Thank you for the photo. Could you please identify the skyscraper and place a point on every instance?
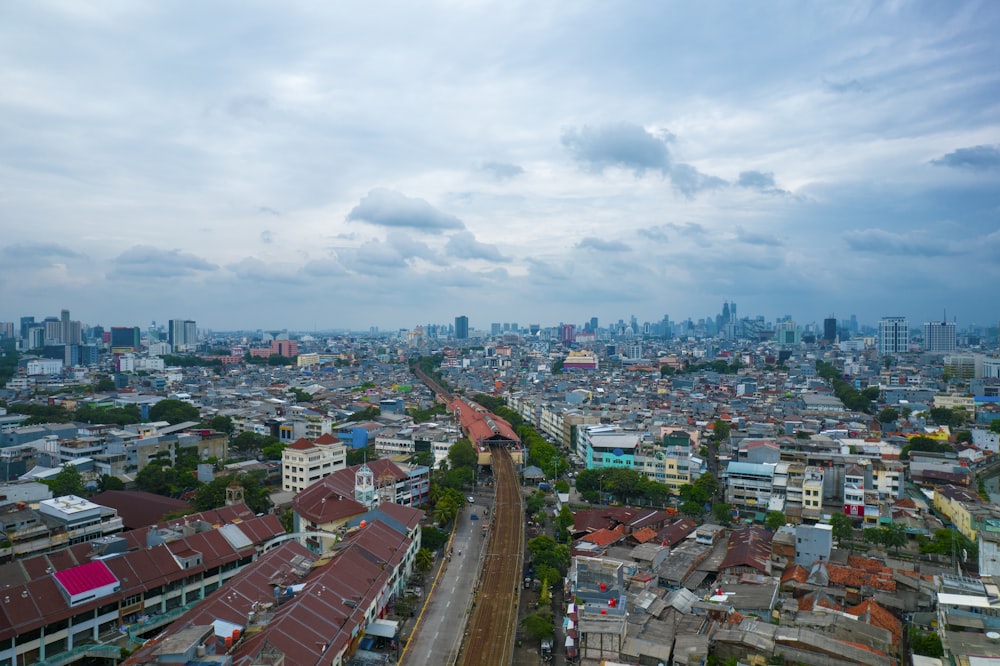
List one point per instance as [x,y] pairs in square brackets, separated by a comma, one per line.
[182,334]
[893,335]
[830,329]
[939,337]
[461,327]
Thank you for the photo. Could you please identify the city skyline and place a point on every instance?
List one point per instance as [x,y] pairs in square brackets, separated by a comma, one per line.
[311,168]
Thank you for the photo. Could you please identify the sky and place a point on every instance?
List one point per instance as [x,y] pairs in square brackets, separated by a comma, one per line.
[316,166]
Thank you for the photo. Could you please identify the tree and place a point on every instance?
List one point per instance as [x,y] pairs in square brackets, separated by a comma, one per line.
[423,561]
[358,456]
[562,486]
[104,384]
[887,415]
[774,520]
[928,644]
[721,430]
[222,423]
[539,626]
[564,521]
[723,512]
[964,436]
[843,529]
[893,536]
[173,411]
[995,425]
[462,454]
[108,482]
[67,482]
[273,448]
[248,443]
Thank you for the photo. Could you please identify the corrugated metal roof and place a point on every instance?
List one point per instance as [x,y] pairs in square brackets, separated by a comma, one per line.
[85,578]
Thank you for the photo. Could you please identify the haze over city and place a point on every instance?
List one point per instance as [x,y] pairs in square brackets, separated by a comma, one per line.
[292,165]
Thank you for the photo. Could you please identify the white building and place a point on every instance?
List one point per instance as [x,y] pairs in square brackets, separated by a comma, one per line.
[305,462]
[893,335]
[939,337]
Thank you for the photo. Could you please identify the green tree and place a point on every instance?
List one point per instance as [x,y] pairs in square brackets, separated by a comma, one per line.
[887,415]
[893,536]
[539,626]
[563,523]
[212,495]
[721,430]
[423,561]
[843,529]
[222,423]
[534,503]
[67,481]
[104,384]
[964,436]
[248,443]
[366,414]
[928,645]
[300,395]
[723,512]
[358,456]
[108,482]
[925,444]
[273,448]
[462,454]
[774,520]
[174,412]
[432,538]
[995,425]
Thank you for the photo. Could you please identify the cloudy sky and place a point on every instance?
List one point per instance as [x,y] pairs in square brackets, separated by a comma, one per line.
[303,165]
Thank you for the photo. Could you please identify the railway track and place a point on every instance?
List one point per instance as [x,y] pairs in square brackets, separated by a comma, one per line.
[489,638]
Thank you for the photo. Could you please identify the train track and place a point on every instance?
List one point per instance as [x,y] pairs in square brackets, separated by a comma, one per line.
[489,638]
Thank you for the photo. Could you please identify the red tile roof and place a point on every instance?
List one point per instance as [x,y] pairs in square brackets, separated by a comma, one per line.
[644,535]
[869,611]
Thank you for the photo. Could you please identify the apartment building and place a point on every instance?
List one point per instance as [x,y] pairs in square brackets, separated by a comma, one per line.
[748,488]
[306,461]
[671,466]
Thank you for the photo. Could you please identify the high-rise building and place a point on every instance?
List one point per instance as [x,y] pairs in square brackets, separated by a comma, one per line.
[567,333]
[939,337]
[461,327]
[26,323]
[182,334]
[830,329]
[125,336]
[893,335]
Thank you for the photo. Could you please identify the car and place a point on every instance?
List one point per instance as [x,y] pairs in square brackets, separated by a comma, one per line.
[470,499]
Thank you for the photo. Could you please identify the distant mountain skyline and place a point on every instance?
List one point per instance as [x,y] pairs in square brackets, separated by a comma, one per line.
[310,166]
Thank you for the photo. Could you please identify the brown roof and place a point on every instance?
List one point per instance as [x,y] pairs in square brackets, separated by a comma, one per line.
[138,508]
[643,535]
[749,547]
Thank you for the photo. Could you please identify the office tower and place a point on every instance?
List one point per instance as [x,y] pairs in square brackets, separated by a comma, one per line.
[567,333]
[125,337]
[182,334]
[496,328]
[939,337]
[830,329]
[893,335]
[26,323]
[461,327]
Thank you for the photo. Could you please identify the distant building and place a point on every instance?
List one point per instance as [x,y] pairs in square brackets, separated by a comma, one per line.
[182,334]
[125,337]
[830,329]
[893,335]
[461,327]
[939,337]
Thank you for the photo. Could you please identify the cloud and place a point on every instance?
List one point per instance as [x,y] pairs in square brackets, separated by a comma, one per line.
[758,180]
[252,269]
[599,245]
[880,241]
[147,261]
[267,210]
[848,86]
[754,238]
[975,158]
[463,245]
[501,170]
[37,253]
[387,208]
[689,181]
[266,237]
[328,267]
[654,233]
[622,145]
